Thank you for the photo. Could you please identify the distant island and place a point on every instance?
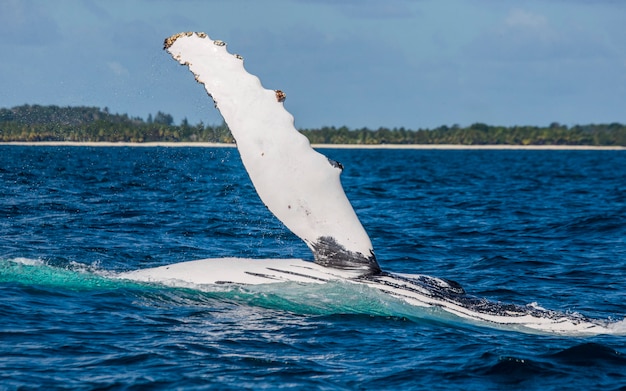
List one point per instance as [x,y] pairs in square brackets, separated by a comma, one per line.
[33,123]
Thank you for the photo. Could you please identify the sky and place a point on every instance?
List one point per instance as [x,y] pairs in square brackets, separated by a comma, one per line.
[359,63]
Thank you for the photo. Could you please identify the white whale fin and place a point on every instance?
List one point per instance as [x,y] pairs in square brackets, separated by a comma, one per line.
[300,186]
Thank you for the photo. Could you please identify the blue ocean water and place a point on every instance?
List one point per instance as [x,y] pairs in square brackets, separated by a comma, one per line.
[516,226]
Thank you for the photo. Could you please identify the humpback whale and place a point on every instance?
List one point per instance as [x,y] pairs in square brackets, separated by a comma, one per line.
[302,188]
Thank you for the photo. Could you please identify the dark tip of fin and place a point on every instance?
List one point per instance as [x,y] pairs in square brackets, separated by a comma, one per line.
[335,164]
[329,253]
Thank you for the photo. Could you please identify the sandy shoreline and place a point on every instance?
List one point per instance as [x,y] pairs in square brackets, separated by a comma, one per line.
[324,146]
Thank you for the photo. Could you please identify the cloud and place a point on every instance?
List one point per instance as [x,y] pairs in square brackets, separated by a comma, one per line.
[369,9]
[24,23]
[519,18]
[98,11]
[117,68]
[524,36]
[334,76]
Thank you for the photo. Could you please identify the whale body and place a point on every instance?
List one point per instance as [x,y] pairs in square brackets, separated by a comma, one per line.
[414,289]
[302,188]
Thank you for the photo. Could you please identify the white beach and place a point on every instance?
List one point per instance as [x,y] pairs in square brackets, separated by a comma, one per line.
[324,146]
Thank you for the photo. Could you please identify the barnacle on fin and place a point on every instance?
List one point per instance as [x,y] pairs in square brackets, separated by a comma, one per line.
[280,96]
[169,41]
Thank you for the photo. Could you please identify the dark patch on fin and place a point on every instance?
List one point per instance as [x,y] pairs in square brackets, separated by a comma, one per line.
[329,253]
[262,275]
[335,164]
[454,286]
[297,274]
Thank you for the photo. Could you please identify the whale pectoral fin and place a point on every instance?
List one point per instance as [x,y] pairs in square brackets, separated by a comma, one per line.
[300,186]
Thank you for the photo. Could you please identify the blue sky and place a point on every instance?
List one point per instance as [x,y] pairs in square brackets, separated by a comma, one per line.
[392,63]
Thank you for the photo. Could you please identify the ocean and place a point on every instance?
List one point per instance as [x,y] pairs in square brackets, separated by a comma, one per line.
[516,226]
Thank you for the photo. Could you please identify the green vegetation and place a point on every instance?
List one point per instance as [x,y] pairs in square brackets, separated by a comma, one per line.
[54,123]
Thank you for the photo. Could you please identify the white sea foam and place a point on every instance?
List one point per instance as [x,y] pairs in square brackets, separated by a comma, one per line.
[27,261]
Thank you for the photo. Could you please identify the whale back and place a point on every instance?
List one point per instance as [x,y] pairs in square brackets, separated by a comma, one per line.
[299,185]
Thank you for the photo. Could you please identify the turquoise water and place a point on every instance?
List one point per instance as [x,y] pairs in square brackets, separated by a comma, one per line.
[516,226]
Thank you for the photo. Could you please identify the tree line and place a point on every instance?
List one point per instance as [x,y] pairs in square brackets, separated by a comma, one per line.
[92,124]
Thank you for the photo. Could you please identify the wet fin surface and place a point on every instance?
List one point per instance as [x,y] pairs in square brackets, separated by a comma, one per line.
[300,186]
